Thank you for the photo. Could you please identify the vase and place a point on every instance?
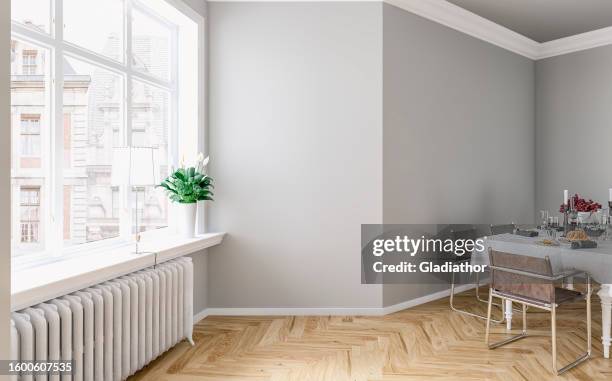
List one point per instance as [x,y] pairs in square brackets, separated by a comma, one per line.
[187,219]
[584,217]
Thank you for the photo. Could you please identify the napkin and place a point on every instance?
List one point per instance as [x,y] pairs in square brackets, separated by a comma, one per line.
[586,244]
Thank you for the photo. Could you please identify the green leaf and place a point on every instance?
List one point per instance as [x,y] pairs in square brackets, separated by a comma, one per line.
[188,186]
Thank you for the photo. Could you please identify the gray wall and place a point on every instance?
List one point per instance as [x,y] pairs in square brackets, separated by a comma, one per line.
[295,140]
[458,131]
[197,5]
[5,181]
[574,126]
[200,281]
[200,259]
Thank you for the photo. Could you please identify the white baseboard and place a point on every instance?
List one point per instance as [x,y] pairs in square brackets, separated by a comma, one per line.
[425,299]
[200,316]
[326,311]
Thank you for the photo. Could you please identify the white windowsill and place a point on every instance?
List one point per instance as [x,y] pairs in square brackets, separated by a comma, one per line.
[37,284]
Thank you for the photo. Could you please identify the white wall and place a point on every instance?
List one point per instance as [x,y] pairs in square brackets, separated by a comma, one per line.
[297,93]
[574,127]
[295,142]
[5,181]
[458,131]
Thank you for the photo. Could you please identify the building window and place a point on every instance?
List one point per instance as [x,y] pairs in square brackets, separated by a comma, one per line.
[30,214]
[128,80]
[28,64]
[30,135]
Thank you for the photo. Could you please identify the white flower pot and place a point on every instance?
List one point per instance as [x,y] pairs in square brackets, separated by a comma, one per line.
[187,219]
[585,217]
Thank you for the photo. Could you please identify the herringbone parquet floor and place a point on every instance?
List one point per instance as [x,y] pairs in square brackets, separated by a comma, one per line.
[428,342]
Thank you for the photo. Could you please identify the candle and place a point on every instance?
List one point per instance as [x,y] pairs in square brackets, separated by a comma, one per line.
[610,192]
[566,196]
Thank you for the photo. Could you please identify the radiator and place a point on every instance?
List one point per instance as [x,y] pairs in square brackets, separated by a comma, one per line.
[110,330]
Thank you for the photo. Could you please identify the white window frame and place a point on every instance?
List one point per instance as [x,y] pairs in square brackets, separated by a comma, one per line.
[57,47]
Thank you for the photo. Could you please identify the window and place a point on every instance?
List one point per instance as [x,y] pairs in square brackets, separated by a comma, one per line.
[28,62]
[124,78]
[29,214]
[33,14]
[107,38]
[30,136]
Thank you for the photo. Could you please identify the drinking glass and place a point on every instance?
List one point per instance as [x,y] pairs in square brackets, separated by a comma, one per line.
[544,218]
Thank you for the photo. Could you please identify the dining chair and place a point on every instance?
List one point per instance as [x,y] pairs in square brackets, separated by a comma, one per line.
[530,281]
[502,229]
[467,234]
[494,230]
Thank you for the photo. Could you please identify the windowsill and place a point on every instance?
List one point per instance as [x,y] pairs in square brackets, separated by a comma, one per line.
[38,284]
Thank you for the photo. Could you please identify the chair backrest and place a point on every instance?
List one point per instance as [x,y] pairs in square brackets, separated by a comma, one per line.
[505,279]
[464,234]
[501,229]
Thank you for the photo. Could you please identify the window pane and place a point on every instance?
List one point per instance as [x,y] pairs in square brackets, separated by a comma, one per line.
[95,25]
[93,103]
[30,127]
[32,13]
[151,39]
[150,119]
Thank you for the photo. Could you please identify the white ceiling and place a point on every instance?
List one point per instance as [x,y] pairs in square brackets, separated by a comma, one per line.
[543,20]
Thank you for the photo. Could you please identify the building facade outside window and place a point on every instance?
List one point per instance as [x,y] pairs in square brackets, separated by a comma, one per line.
[120,86]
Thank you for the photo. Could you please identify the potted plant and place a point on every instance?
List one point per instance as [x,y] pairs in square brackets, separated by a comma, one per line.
[186,186]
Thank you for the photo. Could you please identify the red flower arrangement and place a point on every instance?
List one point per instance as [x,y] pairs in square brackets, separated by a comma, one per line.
[582,205]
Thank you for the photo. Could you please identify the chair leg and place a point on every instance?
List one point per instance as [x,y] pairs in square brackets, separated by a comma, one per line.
[524,319]
[553,337]
[452,305]
[478,292]
[588,312]
[582,357]
[488,329]
[509,340]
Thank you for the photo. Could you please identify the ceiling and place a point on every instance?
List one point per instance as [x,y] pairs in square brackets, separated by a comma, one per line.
[543,20]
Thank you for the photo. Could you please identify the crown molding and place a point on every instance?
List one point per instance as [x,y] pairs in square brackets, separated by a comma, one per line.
[462,20]
[583,41]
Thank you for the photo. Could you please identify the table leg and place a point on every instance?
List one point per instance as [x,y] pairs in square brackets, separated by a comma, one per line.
[606,317]
[508,315]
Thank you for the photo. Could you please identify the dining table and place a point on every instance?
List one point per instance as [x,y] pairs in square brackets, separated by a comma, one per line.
[595,261]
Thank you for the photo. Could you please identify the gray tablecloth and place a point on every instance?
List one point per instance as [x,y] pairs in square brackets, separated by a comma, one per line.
[596,261]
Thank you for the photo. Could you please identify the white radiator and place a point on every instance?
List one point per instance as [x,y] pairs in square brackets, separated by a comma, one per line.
[110,330]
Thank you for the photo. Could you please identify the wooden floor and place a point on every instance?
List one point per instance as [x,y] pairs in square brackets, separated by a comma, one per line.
[427,342]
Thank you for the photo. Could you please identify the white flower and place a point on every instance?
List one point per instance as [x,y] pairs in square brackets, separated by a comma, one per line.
[200,157]
[205,161]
